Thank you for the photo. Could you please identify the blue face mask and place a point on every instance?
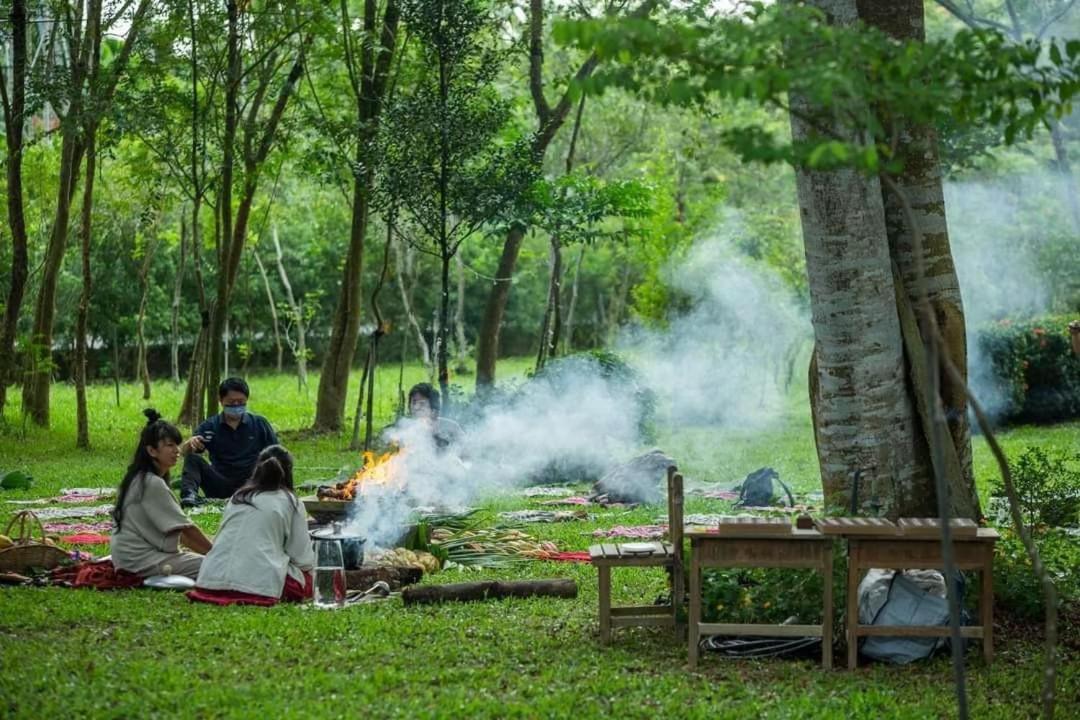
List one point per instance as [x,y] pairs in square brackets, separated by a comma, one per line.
[235,411]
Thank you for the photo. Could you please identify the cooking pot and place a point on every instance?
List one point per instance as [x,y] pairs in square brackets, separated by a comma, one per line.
[352,545]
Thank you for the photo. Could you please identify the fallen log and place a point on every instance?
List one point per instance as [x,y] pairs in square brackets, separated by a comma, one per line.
[489,590]
[395,577]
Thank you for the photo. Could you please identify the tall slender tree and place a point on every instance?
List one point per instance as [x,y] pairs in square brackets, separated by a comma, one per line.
[85,93]
[368,58]
[14,107]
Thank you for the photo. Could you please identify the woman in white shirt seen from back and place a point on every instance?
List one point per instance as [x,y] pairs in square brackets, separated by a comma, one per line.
[262,552]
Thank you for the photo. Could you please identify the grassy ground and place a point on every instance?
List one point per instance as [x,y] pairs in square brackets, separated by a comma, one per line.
[141,653]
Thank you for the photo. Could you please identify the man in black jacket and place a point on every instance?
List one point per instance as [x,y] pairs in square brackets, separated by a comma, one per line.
[234,438]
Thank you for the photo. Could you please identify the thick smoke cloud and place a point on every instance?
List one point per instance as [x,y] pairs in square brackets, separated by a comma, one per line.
[725,360]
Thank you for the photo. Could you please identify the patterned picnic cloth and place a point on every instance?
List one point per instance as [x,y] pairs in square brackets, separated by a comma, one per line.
[79,495]
[78,511]
[567,501]
[542,516]
[644,532]
[73,528]
[547,491]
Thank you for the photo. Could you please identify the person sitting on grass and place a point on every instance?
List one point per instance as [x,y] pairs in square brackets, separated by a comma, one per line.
[262,552]
[149,524]
[234,438]
[424,406]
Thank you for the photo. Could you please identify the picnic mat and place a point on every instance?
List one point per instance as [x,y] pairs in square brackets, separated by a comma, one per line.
[78,495]
[86,539]
[576,500]
[76,511]
[71,528]
[644,532]
[542,516]
[547,491]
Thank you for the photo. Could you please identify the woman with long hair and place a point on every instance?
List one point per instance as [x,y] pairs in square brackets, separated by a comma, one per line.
[150,526]
[262,552]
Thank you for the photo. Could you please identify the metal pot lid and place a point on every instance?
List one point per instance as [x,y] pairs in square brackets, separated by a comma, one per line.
[335,531]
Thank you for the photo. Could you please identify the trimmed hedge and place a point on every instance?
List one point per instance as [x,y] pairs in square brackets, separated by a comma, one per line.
[1034,362]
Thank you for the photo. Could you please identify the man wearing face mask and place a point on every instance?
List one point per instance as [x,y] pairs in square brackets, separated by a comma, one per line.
[233,438]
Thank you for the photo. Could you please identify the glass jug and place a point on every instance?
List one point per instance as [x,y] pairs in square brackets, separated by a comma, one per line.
[329,581]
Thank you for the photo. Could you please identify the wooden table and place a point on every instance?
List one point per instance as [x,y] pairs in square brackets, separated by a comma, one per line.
[901,553]
[793,549]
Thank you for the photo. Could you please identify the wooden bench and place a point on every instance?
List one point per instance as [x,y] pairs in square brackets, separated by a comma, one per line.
[667,555]
[756,548]
[911,548]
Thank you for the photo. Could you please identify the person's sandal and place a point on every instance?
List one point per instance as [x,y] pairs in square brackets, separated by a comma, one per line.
[191,500]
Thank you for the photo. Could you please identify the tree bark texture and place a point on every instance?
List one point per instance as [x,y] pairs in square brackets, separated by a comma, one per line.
[920,184]
[865,373]
[14,125]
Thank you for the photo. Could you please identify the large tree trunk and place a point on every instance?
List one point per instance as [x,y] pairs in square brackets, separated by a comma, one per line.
[920,185]
[863,416]
[14,125]
[82,424]
[487,341]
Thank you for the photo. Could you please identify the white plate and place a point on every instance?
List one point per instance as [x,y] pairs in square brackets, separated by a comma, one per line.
[637,548]
[169,582]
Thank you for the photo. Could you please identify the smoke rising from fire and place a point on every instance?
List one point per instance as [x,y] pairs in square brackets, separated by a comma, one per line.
[724,360]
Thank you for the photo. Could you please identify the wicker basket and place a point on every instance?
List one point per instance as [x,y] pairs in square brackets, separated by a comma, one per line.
[27,552]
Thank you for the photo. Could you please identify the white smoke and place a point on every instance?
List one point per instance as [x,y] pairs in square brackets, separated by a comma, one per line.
[730,358]
[724,361]
[996,230]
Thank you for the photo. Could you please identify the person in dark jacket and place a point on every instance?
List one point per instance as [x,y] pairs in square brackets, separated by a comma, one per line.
[233,438]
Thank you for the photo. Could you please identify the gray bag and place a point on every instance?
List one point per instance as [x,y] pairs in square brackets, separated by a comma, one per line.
[906,604]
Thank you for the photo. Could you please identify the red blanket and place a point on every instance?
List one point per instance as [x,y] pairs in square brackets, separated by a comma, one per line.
[293,592]
[85,539]
[101,575]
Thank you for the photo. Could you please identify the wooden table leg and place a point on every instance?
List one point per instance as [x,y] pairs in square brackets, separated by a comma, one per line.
[986,604]
[852,605]
[605,603]
[694,621]
[827,611]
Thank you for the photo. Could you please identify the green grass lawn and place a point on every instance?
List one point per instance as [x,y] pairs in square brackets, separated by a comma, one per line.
[67,653]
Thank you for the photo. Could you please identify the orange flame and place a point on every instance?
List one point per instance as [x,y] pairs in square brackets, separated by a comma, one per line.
[382,470]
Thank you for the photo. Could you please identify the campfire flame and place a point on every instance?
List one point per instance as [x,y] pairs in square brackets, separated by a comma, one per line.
[377,471]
